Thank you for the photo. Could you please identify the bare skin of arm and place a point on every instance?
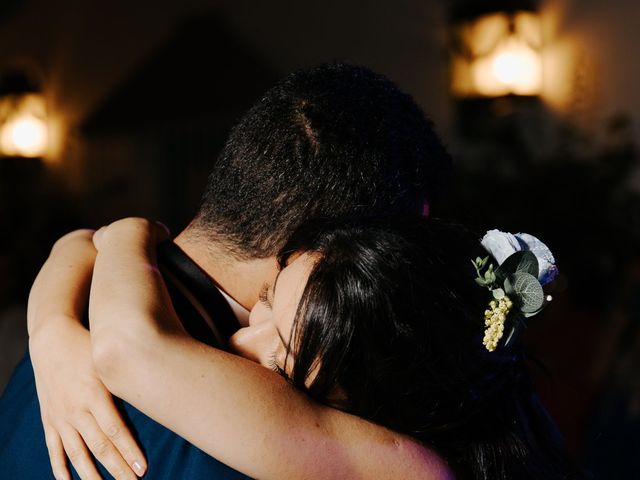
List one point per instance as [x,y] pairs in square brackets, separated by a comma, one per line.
[237,411]
[81,417]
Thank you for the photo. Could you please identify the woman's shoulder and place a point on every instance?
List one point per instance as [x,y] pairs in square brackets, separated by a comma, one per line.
[421,462]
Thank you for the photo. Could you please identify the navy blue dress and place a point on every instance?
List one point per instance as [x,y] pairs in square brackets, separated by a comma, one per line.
[23,452]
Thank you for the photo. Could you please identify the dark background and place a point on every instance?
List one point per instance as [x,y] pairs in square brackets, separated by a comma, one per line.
[141,95]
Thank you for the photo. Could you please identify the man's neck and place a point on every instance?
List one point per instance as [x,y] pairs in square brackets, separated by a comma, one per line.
[240,279]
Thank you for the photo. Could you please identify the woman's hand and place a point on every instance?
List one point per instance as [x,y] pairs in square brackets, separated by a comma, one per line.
[78,412]
[132,232]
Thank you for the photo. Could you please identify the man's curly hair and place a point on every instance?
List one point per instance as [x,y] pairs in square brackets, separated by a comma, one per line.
[330,141]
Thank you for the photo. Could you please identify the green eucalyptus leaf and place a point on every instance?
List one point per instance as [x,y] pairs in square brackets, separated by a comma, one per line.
[481,282]
[511,335]
[508,289]
[535,312]
[515,331]
[475,266]
[527,291]
[498,293]
[484,261]
[518,262]
[489,278]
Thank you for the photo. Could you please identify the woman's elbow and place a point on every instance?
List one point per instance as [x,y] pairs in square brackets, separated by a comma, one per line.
[121,354]
[109,353]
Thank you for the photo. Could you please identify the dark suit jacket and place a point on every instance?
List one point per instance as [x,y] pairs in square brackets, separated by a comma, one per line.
[23,453]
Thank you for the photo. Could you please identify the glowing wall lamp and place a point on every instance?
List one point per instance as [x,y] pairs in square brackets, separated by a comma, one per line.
[23,118]
[497,54]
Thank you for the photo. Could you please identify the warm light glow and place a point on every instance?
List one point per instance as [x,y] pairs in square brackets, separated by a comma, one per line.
[25,136]
[515,68]
[570,67]
[498,55]
[23,129]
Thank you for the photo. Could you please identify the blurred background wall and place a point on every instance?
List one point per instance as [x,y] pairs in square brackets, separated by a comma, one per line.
[141,94]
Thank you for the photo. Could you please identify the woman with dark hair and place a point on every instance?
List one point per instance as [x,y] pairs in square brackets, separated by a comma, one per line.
[380,319]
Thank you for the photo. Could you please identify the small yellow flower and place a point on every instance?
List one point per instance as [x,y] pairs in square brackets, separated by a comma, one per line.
[494,321]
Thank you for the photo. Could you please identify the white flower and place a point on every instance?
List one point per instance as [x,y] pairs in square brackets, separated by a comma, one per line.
[546,262]
[500,244]
[503,244]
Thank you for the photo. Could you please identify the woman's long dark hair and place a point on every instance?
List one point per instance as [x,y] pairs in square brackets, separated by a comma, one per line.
[391,316]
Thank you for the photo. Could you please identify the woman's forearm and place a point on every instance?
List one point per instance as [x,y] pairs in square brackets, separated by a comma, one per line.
[127,285]
[54,301]
[250,418]
[69,391]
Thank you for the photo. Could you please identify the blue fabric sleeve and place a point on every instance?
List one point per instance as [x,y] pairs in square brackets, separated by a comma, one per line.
[23,452]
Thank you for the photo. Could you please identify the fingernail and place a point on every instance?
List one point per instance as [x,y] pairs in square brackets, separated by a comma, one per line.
[138,469]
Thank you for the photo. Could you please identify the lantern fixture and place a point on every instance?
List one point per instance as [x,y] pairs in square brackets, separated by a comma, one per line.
[497,53]
[23,118]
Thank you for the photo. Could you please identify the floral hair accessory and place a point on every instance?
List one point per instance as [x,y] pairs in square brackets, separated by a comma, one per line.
[525,264]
